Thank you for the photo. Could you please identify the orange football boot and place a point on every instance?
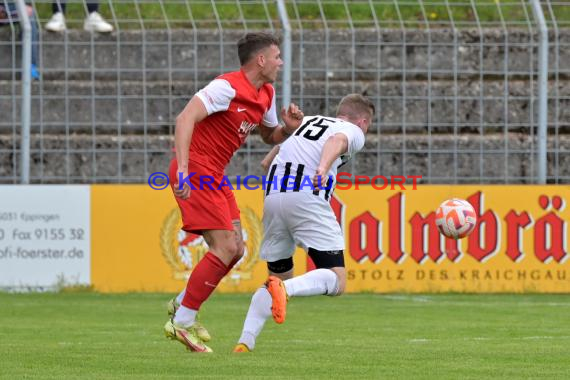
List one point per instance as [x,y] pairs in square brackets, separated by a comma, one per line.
[276,289]
[241,348]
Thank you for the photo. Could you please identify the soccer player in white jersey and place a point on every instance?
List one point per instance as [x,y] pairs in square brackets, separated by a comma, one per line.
[297,212]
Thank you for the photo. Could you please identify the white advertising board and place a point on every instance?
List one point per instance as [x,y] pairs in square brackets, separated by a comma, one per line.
[44,236]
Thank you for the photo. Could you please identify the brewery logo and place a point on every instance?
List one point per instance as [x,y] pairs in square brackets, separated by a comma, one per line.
[183,250]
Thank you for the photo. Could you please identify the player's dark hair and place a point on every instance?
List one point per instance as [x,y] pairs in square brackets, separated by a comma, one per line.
[356,106]
[252,43]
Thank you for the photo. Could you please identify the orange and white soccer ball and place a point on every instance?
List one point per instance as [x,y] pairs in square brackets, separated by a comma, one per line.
[455,218]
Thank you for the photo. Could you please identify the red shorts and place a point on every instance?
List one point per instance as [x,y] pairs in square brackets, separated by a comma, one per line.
[205,209]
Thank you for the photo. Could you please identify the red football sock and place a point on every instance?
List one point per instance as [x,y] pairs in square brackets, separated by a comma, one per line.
[203,280]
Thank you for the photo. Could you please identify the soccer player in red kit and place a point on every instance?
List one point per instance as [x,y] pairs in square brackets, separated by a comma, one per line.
[212,126]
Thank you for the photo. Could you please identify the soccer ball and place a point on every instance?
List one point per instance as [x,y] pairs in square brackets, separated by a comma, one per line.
[455,218]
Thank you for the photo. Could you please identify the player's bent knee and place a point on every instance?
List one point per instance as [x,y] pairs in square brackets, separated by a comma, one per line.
[234,248]
[227,247]
[333,260]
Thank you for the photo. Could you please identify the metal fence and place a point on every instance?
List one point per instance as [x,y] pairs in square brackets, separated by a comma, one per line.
[456,85]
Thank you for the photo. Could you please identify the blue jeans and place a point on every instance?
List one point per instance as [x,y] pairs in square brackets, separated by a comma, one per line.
[13,17]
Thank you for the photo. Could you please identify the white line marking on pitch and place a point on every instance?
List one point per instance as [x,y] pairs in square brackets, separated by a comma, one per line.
[481,338]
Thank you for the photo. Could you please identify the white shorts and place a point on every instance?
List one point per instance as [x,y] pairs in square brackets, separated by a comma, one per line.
[298,218]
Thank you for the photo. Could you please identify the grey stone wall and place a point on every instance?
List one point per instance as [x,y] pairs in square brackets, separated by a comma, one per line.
[74,159]
[104,109]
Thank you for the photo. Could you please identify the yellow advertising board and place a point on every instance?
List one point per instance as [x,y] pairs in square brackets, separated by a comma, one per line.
[392,244]
[137,244]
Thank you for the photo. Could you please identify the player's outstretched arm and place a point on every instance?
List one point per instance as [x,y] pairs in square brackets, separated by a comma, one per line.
[268,159]
[292,117]
[336,145]
[194,112]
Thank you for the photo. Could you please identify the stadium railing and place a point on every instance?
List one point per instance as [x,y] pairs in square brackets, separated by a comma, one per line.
[456,85]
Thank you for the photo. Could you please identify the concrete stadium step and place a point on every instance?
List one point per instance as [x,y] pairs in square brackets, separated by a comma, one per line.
[151,107]
[109,158]
[317,54]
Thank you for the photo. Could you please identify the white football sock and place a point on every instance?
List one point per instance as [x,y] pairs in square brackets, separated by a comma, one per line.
[180,297]
[315,282]
[185,317]
[259,311]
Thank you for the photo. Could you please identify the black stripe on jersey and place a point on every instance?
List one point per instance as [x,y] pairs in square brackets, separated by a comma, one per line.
[270,182]
[299,177]
[329,188]
[343,160]
[285,178]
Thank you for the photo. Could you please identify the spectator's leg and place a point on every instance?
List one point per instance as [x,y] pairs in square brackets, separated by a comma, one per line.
[92,7]
[58,6]
[14,17]
[57,21]
[35,43]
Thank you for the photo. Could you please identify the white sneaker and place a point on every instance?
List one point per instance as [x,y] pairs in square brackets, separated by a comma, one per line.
[95,23]
[56,23]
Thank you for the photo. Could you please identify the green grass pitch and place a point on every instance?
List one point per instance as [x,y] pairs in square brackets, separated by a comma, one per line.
[99,336]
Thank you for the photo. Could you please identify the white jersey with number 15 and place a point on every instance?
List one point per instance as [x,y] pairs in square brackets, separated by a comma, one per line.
[300,154]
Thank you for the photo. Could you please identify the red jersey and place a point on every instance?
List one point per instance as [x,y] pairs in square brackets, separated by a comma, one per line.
[235,107]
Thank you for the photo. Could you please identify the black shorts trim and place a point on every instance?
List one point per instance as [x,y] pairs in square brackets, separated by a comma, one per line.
[327,259]
[280,266]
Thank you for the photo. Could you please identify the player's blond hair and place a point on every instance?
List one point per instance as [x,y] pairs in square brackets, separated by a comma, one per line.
[356,106]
